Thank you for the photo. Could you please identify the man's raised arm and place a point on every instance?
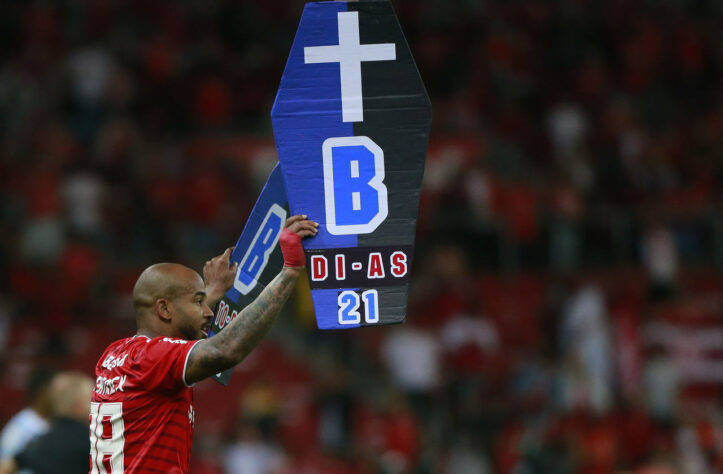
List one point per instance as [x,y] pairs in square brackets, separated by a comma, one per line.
[230,346]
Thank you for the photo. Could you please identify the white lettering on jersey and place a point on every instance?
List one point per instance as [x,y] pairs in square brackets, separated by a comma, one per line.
[191,415]
[111,362]
[174,341]
[106,386]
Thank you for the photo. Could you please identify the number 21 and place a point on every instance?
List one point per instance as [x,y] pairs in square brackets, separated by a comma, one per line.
[349,303]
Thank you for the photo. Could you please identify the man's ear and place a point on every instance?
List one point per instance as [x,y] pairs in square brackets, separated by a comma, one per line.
[163,309]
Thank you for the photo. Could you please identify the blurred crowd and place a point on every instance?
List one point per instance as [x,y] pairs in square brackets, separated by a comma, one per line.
[566,305]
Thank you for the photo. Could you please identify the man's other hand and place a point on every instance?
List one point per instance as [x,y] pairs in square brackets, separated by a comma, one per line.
[296,228]
[218,274]
[301,226]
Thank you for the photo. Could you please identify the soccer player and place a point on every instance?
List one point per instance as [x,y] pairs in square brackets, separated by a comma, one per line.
[141,414]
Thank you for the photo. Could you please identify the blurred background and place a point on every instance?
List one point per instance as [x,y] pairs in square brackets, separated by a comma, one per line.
[566,306]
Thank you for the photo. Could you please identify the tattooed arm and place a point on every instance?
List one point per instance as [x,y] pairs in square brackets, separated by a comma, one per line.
[230,346]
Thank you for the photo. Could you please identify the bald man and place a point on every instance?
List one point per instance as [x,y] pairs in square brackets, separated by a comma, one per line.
[141,414]
[64,448]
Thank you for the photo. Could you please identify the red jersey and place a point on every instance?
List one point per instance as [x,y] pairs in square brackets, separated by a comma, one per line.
[141,413]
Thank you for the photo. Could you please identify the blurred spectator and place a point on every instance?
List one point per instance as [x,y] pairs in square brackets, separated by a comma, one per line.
[586,348]
[465,458]
[470,341]
[64,448]
[83,196]
[412,356]
[250,453]
[335,404]
[660,258]
[89,69]
[693,459]
[662,385]
[43,240]
[260,406]
[401,435]
[33,420]
[568,128]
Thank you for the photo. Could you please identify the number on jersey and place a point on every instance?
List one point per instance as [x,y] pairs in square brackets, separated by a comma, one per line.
[106,438]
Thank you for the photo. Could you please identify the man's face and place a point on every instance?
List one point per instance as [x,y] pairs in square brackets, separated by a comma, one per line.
[191,314]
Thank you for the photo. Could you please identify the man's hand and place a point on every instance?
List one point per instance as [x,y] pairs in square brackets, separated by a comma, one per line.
[296,228]
[301,226]
[218,275]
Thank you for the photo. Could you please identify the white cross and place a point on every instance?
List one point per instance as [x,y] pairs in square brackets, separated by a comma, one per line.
[349,54]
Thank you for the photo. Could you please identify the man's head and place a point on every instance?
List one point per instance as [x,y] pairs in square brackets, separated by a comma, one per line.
[170,300]
[70,394]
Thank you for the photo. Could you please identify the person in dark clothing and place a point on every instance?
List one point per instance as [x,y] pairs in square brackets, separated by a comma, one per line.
[34,419]
[64,448]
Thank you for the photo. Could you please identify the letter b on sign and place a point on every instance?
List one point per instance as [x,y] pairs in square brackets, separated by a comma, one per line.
[257,255]
[354,193]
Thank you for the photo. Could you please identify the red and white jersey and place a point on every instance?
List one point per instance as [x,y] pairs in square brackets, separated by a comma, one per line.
[141,413]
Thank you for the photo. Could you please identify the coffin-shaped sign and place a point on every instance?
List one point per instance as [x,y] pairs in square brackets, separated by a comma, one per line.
[351,123]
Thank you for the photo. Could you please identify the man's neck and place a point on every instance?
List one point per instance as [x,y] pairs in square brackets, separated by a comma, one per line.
[145,332]
[150,333]
[41,411]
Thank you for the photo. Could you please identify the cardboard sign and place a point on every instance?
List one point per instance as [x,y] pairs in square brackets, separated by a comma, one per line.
[351,123]
[258,254]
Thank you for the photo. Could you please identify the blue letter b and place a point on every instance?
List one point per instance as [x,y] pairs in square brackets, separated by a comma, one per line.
[354,192]
[257,256]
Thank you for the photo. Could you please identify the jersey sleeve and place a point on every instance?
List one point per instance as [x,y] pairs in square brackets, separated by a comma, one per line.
[162,363]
